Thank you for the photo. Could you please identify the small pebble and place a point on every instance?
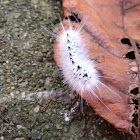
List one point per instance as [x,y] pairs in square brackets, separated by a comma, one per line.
[8,80]
[55,134]
[65,129]
[47,127]
[36,109]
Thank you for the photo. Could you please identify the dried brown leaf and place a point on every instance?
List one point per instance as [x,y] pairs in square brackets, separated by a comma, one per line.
[111,29]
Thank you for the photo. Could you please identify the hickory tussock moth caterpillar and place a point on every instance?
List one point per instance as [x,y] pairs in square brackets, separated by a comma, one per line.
[78,70]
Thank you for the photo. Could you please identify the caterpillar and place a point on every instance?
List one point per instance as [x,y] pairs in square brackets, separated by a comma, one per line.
[79,71]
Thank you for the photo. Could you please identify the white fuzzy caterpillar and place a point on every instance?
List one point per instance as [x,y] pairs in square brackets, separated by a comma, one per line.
[78,69]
